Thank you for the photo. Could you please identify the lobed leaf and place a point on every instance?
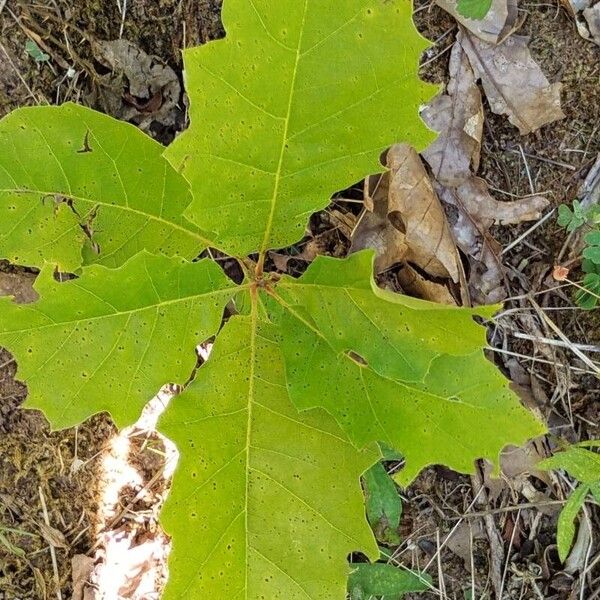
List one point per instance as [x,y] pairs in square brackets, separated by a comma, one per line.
[70,167]
[266,502]
[109,340]
[297,102]
[394,369]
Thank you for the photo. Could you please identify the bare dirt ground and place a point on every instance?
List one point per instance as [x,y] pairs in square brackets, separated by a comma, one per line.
[503,531]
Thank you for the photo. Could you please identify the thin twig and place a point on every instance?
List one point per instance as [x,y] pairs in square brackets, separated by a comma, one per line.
[52,550]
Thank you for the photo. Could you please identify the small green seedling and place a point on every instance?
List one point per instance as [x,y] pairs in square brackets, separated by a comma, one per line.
[383,579]
[36,52]
[584,466]
[306,375]
[588,295]
[473,9]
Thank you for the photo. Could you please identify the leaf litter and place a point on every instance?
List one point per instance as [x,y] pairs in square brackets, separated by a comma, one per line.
[474,168]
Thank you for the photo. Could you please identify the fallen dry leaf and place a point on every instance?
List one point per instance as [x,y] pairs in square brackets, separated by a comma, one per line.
[476,211]
[462,539]
[414,284]
[413,207]
[53,536]
[474,197]
[409,224]
[141,88]
[374,229]
[574,6]
[457,116]
[82,567]
[592,16]
[494,27]
[513,82]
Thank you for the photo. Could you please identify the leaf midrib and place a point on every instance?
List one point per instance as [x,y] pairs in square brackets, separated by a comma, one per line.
[269,225]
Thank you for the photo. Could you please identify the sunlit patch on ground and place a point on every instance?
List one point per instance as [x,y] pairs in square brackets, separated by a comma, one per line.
[131,550]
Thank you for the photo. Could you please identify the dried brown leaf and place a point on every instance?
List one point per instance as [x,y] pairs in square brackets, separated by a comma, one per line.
[476,211]
[574,6]
[462,539]
[19,286]
[474,197]
[458,117]
[414,284]
[82,567]
[140,88]
[407,223]
[592,16]
[413,207]
[53,536]
[513,82]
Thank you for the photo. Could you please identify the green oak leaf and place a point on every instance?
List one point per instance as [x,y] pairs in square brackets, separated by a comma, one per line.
[266,502]
[69,166]
[35,230]
[109,340]
[297,102]
[412,374]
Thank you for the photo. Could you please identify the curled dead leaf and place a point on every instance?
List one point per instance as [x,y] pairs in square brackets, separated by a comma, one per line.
[476,211]
[140,88]
[592,17]
[513,82]
[458,117]
[407,222]
[413,206]
[82,568]
[415,284]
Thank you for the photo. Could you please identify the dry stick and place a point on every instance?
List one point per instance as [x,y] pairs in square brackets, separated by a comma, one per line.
[543,159]
[52,550]
[510,545]
[553,342]
[539,360]
[531,186]
[472,562]
[441,582]
[434,557]
[494,538]
[585,359]
[12,64]
[528,232]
